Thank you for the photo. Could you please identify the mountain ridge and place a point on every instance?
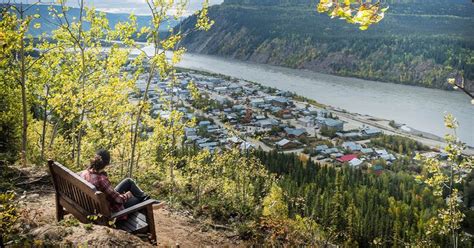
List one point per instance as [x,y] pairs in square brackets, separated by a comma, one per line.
[47,21]
[396,50]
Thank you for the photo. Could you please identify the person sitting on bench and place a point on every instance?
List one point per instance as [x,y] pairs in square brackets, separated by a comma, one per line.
[124,195]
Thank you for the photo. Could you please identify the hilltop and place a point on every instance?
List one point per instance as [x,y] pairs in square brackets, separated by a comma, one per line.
[418,43]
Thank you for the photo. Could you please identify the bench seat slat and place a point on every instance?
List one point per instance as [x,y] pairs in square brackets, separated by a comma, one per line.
[135,222]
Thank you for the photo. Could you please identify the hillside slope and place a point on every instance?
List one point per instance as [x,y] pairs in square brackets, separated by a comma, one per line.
[37,225]
[419,43]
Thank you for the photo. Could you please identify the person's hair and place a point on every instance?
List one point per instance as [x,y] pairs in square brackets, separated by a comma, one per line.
[100,160]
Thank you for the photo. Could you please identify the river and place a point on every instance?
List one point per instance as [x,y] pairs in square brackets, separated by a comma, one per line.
[418,107]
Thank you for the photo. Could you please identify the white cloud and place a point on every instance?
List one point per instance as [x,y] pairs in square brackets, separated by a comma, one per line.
[138,7]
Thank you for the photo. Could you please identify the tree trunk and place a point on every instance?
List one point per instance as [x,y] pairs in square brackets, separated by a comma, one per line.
[73,151]
[79,142]
[45,117]
[24,137]
[53,135]
[83,84]
[137,122]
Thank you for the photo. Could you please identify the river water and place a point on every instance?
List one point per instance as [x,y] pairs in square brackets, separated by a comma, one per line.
[417,107]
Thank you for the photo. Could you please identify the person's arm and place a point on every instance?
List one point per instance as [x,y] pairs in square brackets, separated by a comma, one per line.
[111,193]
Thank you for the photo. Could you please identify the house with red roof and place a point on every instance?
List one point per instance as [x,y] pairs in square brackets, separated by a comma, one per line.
[346,158]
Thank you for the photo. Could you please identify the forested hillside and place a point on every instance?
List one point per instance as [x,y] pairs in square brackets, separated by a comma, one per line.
[48,22]
[418,42]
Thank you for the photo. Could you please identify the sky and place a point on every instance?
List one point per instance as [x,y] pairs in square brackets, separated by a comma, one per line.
[138,7]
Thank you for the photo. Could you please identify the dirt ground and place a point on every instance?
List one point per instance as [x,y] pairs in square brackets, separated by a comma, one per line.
[173,229]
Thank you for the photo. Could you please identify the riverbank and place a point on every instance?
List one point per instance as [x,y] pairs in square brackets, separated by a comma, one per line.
[355,120]
[417,107]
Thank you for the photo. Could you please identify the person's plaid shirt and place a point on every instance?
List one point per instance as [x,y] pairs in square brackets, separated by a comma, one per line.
[101,181]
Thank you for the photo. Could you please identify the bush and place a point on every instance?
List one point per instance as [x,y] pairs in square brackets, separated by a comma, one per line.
[8,216]
[328,132]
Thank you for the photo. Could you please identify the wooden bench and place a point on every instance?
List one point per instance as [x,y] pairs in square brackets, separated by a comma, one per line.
[80,198]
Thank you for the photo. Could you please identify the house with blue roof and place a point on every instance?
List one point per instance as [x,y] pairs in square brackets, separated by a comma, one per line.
[320,148]
[371,132]
[337,125]
[351,146]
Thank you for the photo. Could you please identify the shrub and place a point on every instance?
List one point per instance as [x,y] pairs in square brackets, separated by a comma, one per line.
[8,216]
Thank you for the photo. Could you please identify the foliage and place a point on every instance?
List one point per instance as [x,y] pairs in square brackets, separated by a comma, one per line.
[202,101]
[274,205]
[398,144]
[363,13]
[352,207]
[212,184]
[8,216]
[15,64]
[328,132]
[445,179]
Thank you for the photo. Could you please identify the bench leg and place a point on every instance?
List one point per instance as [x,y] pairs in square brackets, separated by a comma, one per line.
[59,210]
[150,219]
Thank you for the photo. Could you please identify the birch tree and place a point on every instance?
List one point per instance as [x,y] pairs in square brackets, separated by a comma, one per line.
[159,65]
[17,47]
[444,179]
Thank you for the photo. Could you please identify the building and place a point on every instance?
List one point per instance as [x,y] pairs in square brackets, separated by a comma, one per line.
[355,162]
[204,123]
[346,158]
[348,136]
[371,132]
[267,123]
[293,133]
[367,151]
[306,121]
[323,113]
[383,154]
[330,151]
[247,146]
[257,102]
[286,144]
[333,124]
[320,148]
[351,146]
[280,101]
[312,111]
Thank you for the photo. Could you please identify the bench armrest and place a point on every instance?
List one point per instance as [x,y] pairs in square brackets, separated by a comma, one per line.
[133,208]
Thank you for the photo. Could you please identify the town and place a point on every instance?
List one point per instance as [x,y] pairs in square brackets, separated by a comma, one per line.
[233,113]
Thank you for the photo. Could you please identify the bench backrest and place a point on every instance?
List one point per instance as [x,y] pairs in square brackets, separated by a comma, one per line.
[78,196]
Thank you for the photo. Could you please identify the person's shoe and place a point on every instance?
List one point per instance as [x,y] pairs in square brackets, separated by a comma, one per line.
[146,197]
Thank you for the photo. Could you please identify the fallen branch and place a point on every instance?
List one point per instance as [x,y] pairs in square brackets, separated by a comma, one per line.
[216,226]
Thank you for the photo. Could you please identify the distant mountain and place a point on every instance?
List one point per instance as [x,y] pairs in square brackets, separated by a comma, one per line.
[47,21]
[419,42]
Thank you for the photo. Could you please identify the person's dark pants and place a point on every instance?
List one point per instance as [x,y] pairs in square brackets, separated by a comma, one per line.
[128,184]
